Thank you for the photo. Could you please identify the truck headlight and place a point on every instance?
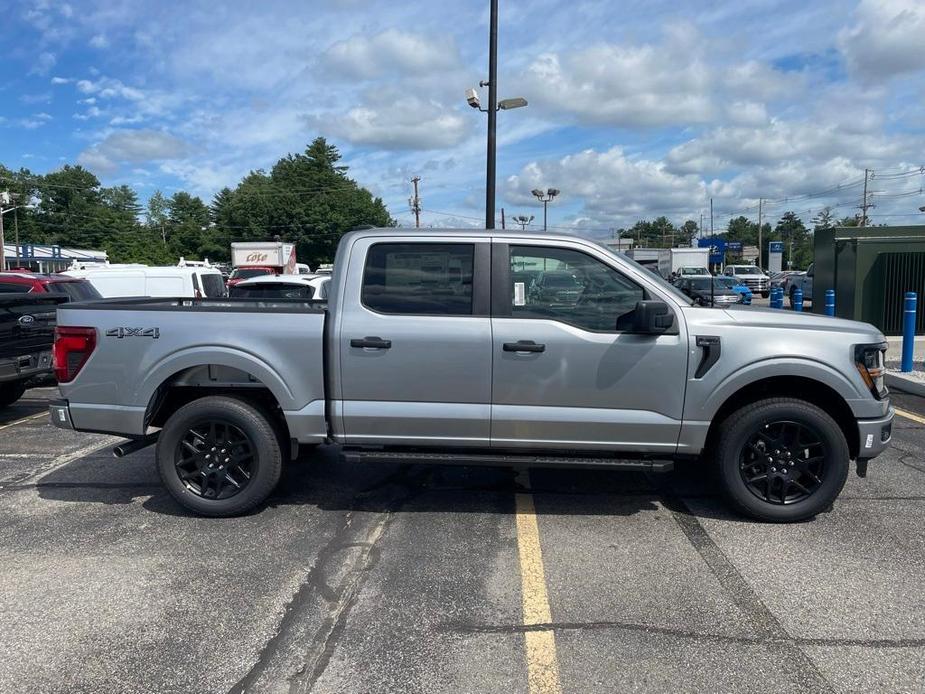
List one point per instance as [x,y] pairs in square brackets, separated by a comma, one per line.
[869,362]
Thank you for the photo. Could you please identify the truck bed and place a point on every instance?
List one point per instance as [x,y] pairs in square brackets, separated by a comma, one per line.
[145,344]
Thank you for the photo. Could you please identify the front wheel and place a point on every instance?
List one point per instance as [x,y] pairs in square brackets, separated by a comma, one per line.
[765,295]
[781,460]
[219,456]
[11,392]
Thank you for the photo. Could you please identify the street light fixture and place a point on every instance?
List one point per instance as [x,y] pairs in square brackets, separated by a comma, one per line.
[523,220]
[472,98]
[545,198]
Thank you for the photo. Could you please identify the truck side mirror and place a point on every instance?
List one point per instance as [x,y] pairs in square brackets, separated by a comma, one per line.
[651,317]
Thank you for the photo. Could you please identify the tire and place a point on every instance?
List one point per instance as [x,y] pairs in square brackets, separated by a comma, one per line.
[219,456]
[796,465]
[11,392]
[765,295]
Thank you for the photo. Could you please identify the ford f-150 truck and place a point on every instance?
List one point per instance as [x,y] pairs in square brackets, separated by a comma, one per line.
[432,349]
[27,322]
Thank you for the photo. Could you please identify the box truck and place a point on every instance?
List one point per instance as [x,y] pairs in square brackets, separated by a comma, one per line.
[672,260]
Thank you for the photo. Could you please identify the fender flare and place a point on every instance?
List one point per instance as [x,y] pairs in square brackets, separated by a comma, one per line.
[800,367]
[176,362]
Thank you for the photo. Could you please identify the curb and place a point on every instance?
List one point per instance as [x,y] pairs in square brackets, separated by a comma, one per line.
[906,385]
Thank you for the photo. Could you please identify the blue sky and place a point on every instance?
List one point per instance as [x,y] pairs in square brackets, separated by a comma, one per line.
[637,108]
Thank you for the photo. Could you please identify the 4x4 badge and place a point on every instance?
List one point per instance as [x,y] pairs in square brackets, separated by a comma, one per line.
[134,332]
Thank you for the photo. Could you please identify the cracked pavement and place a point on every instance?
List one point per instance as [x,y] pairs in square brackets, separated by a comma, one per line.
[386,578]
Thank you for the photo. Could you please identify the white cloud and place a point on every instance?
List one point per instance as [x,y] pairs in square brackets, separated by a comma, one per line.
[612,187]
[36,120]
[403,122]
[735,147]
[391,53]
[42,98]
[887,39]
[131,146]
[109,88]
[99,41]
[44,63]
[61,80]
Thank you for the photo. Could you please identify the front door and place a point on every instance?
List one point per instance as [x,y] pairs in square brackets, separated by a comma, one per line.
[567,374]
[415,344]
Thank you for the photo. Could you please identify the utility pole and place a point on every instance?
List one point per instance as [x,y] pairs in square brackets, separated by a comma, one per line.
[759,233]
[492,116]
[415,203]
[865,205]
[502,219]
[16,233]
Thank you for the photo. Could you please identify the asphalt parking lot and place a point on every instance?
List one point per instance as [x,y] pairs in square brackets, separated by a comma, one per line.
[382,578]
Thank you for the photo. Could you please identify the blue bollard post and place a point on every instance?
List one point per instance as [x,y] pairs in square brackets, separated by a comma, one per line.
[747,299]
[830,302]
[777,298]
[798,299]
[908,331]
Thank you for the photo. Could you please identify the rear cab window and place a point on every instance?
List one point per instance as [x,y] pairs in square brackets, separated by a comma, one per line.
[419,278]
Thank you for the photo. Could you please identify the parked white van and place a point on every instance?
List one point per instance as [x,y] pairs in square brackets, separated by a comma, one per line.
[193,282]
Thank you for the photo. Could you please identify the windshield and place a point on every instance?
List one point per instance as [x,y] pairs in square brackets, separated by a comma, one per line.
[746,270]
[729,282]
[246,273]
[273,290]
[76,291]
[694,271]
[561,280]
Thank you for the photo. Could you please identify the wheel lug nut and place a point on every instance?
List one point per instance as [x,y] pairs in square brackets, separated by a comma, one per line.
[770,459]
[773,469]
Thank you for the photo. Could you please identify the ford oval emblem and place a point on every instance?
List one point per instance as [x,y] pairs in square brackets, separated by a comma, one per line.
[26,320]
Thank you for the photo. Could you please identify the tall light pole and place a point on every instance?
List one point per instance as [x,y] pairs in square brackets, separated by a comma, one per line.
[494,106]
[523,220]
[545,198]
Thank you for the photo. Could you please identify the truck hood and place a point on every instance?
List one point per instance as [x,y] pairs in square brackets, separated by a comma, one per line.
[791,320]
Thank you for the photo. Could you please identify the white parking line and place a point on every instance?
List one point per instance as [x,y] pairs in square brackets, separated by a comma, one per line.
[24,419]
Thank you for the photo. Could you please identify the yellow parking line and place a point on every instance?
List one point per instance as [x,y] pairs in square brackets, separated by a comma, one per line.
[24,419]
[909,415]
[542,662]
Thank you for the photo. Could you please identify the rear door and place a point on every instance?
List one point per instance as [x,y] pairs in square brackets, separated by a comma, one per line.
[567,373]
[415,342]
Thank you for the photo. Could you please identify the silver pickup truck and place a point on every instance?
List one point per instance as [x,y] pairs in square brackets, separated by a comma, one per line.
[450,347]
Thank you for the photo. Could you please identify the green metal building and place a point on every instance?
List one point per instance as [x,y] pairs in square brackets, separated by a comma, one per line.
[870,269]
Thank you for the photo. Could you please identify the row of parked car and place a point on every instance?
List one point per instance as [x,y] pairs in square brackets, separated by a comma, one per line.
[29,301]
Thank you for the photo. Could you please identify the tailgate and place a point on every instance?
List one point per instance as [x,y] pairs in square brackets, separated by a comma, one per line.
[27,324]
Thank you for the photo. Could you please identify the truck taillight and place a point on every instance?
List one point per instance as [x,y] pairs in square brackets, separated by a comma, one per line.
[73,346]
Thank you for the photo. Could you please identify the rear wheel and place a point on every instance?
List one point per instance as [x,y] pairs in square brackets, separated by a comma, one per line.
[11,392]
[219,456]
[781,460]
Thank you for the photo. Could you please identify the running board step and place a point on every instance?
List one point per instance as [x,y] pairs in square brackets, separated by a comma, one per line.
[427,458]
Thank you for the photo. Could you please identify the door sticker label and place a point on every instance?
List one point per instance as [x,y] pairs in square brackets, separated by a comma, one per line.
[520,294]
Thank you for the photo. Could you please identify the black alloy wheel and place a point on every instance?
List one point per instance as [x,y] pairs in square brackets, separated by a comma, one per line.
[221,455]
[784,462]
[215,459]
[781,459]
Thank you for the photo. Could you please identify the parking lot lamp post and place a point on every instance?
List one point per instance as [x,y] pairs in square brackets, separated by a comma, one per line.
[545,198]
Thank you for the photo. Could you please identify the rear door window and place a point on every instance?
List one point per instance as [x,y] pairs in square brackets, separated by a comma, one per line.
[212,285]
[75,291]
[419,278]
[15,288]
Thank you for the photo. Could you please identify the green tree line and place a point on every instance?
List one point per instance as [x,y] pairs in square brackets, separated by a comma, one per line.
[797,237]
[306,198]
